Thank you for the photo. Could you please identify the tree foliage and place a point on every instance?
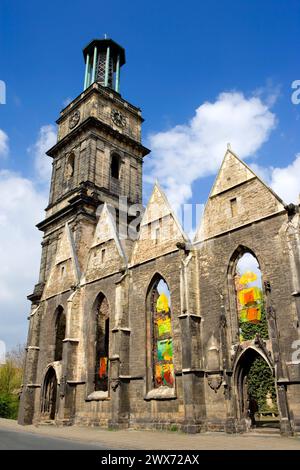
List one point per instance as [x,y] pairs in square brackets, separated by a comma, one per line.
[10,382]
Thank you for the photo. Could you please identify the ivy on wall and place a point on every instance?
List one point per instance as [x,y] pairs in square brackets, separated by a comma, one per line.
[261,386]
[249,330]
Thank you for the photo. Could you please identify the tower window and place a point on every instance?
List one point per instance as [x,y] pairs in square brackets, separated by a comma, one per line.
[233,207]
[115,166]
[60,331]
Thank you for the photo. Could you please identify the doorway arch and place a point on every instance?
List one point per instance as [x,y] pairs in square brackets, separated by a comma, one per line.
[256,390]
[49,398]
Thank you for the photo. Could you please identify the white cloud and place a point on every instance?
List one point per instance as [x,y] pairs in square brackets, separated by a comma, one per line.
[284,181]
[269,93]
[46,139]
[187,152]
[22,202]
[3,143]
[21,207]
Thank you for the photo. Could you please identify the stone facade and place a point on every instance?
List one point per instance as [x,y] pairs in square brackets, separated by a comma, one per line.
[85,255]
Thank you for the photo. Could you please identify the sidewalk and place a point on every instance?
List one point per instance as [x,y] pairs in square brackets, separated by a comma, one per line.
[161,440]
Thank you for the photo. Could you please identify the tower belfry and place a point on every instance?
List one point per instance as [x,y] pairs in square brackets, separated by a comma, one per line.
[103,61]
[98,155]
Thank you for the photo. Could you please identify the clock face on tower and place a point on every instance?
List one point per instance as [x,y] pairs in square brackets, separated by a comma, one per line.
[118,118]
[74,119]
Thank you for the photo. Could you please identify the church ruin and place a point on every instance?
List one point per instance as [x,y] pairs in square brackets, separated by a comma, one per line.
[156,330]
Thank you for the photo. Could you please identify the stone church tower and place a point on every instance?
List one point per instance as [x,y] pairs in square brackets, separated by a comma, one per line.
[154,330]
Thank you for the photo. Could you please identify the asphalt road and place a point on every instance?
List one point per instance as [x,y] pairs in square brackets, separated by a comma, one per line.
[16,440]
[14,436]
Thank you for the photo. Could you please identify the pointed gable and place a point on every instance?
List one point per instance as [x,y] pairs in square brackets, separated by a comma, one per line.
[106,255]
[238,197]
[232,173]
[65,271]
[160,229]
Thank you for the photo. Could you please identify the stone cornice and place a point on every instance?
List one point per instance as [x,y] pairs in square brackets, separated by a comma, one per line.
[76,205]
[110,95]
[94,122]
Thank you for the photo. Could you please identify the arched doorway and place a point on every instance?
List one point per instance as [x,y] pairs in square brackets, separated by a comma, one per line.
[256,391]
[49,395]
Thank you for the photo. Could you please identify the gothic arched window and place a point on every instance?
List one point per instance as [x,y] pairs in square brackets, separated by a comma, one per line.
[115,166]
[102,345]
[161,330]
[60,332]
[250,298]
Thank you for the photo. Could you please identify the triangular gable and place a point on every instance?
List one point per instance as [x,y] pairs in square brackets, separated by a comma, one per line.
[238,197]
[233,172]
[64,248]
[159,216]
[65,271]
[106,230]
[106,254]
[158,206]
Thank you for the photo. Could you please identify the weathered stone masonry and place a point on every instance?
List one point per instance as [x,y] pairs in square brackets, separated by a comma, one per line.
[98,158]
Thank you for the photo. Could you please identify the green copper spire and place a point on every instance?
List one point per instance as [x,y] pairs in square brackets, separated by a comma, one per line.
[103,61]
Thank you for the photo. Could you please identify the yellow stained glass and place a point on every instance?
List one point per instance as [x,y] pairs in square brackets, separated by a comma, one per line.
[243,315]
[247,277]
[162,304]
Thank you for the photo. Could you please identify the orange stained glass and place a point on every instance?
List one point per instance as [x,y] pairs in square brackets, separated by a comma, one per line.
[254,314]
[250,295]
[164,374]
[158,374]
[168,371]
[103,367]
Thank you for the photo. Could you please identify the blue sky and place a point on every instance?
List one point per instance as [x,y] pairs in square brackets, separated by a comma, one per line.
[238,57]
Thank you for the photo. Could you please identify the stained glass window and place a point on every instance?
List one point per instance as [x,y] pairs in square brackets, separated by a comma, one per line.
[249,297]
[163,367]
[102,345]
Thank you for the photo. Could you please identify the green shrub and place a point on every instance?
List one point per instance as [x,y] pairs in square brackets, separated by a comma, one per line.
[174,428]
[4,406]
[9,406]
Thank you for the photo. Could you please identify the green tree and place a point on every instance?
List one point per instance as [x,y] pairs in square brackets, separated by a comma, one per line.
[10,382]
